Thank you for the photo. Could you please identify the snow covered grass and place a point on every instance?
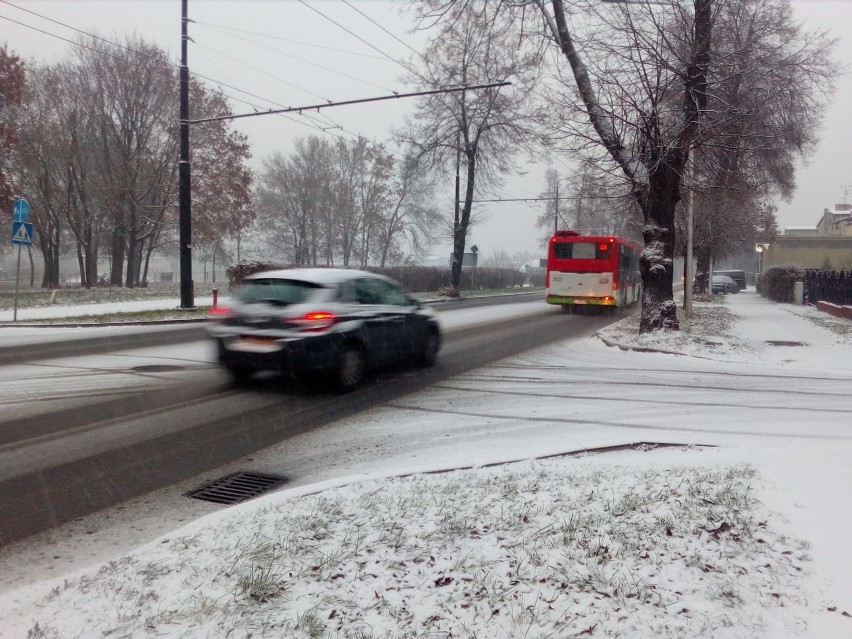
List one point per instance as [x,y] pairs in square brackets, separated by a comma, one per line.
[711,329]
[75,295]
[557,548]
[127,317]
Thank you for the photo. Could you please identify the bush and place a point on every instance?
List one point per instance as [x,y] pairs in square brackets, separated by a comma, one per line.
[417,279]
[777,281]
[237,272]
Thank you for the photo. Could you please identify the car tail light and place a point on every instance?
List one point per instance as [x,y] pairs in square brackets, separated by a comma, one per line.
[315,321]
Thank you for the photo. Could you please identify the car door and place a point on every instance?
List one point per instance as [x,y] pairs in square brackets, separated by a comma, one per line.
[400,330]
[376,321]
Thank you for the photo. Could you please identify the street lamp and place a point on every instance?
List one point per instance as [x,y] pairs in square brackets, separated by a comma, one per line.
[758,248]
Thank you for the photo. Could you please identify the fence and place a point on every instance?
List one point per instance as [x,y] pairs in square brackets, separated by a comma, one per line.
[828,286]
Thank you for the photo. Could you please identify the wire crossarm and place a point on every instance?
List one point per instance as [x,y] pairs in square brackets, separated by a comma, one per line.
[324,105]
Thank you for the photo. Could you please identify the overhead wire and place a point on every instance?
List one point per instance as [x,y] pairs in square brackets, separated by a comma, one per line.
[323,129]
[355,35]
[170,64]
[393,35]
[318,125]
[261,71]
[225,30]
[330,70]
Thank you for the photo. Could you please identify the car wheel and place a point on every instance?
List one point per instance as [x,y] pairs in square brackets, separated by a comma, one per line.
[350,368]
[431,343]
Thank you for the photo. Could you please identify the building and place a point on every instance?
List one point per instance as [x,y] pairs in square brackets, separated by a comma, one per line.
[828,245]
[836,222]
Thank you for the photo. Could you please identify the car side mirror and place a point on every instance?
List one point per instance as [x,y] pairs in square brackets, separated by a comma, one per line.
[415,303]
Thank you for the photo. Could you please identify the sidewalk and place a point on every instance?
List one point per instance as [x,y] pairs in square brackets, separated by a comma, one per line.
[749,328]
[488,506]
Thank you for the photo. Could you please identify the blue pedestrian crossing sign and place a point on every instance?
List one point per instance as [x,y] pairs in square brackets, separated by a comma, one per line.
[21,210]
[22,233]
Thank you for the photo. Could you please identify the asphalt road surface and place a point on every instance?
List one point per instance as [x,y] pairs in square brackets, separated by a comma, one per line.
[79,435]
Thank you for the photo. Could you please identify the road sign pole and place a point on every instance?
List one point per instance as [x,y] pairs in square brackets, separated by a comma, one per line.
[17,280]
[20,215]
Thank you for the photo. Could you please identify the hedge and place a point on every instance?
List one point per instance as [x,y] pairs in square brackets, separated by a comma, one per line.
[417,279]
[778,281]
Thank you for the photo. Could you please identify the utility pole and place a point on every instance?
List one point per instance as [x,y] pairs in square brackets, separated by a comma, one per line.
[579,226]
[687,268]
[458,191]
[187,293]
[556,210]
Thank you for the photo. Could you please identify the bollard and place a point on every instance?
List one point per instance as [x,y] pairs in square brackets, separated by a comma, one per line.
[798,292]
[215,297]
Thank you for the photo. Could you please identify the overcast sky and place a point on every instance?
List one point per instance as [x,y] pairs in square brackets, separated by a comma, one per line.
[285,54]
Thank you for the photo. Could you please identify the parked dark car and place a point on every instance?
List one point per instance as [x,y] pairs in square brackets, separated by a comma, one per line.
[738,276]
[332,324]
[724,284]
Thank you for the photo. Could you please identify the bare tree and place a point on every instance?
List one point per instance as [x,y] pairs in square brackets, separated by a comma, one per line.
[650,86]
[411,214]
[11,92]
[221,180]
[130,89]
[351,201]
[101,155]
[768,86]
[45,161]
[293,202]
[724,225]
[551,216]
[374,196]
[641,95]
[58,163]
[591,201]
[475,133]
[499,259]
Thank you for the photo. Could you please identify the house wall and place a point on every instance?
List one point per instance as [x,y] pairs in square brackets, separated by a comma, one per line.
[837,222]
[832,252]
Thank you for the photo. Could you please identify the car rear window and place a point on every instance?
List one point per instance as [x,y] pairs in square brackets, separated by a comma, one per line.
[277,291]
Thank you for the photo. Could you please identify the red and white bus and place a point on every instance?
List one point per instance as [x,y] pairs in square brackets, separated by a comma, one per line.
[592,270]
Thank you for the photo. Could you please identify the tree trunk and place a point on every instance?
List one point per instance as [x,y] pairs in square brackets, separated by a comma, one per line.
[90,249]
[134,250]
[148,251]
[32,266]
[81,264]
[460,229]
[658,202]
[118,248]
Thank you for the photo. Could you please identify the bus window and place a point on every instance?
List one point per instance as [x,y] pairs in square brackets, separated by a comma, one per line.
[581,250]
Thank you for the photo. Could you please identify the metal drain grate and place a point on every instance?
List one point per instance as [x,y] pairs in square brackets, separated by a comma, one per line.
[237,487]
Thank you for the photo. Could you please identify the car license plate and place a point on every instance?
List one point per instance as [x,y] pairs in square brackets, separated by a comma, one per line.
[254,344]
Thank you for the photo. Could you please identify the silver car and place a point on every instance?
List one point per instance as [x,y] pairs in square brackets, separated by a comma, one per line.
[327,323]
